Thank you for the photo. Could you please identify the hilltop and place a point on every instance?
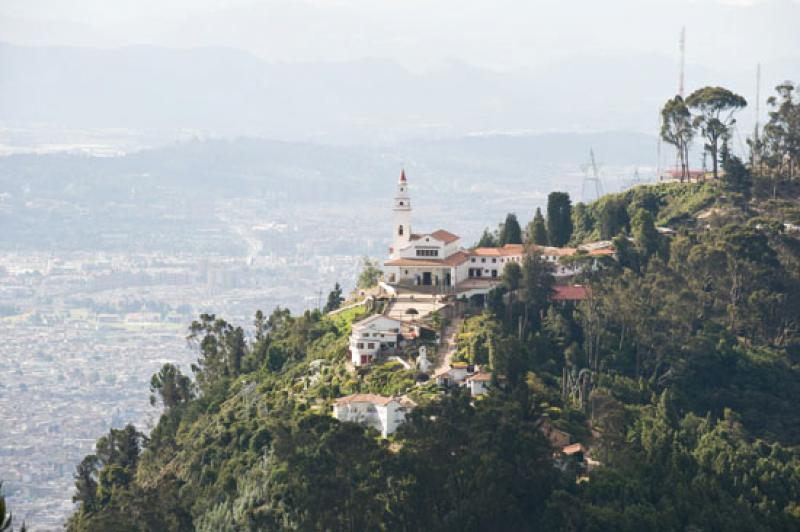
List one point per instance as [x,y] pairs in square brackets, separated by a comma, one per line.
[677,379]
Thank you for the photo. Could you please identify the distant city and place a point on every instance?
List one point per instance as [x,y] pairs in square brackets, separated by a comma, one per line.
[82,334]
[105,261]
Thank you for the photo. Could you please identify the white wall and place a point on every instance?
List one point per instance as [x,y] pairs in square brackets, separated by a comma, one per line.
[385,418]
[410,251]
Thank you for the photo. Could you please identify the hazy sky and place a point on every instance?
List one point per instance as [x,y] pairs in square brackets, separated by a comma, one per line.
[497,34]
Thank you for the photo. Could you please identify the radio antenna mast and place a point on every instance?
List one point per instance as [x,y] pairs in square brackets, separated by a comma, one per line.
[755,147]
[682,46]
[758,98]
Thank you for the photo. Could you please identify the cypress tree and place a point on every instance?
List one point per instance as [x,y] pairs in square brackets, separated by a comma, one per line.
[511,232]
[559,218]
[537,230]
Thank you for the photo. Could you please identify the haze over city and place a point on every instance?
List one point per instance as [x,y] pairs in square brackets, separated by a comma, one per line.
[163,159]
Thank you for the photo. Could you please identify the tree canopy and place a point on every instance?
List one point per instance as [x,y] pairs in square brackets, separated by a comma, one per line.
[677,129]
[716,107]
[674,365]
[370,274]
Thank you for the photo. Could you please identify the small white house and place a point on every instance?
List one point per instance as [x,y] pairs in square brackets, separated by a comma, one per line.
[462,374]
[478,383]
[371,336]
[453,375]
[382,413]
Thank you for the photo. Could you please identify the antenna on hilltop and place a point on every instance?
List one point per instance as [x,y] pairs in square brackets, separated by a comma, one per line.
[591,177]
[758,97]
[637,179]
[755,149]
[682,47]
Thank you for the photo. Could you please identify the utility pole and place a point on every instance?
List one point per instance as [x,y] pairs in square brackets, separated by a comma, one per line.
[756,147]
[682,50]
[658,148]
[758,93]
[682,46]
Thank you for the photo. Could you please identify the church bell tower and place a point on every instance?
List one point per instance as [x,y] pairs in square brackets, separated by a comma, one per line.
[402,216]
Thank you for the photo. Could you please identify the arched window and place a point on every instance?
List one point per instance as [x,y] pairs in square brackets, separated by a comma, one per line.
[400,230]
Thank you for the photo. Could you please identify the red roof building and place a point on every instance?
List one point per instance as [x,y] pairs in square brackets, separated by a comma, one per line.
[571,293]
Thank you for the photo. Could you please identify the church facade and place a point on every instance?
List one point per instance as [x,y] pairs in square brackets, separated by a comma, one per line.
[437,260]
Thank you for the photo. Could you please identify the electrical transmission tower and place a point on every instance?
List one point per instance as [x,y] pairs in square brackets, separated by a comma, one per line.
[591,178]
[636,179]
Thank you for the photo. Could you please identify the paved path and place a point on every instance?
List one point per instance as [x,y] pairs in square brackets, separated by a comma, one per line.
[448,345]
[348,307]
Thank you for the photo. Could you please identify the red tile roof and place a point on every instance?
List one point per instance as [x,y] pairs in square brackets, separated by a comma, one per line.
[519,249]
[453,260]
[480,377]
[677,172]
[551,251]
[440,234]
[505,251]
[573,448]
[570,293]
[365,398]
[445,236]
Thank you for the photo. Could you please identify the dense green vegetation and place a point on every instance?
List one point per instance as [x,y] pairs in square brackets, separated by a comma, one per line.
[7,518]
[680,373]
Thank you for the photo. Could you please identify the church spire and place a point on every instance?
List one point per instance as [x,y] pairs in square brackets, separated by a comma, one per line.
[403,175]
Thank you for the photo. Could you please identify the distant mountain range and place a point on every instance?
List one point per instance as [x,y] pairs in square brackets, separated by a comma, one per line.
[64,198]
[310,170]
[228,92]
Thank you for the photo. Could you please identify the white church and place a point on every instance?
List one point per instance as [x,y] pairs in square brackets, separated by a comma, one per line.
[435,263]
[437,259]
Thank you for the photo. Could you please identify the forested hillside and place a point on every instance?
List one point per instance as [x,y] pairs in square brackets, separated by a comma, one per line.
[690,337]
[680,374]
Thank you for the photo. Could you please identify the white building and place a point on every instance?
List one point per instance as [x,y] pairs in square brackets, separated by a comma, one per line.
[478,383]
[453,375]
[382,413]
[437,259]
[475,380]
[370,336]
